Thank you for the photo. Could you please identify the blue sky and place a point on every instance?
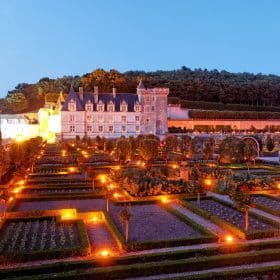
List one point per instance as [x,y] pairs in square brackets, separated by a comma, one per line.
[53,38]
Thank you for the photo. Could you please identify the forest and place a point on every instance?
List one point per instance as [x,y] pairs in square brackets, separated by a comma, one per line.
[196,88]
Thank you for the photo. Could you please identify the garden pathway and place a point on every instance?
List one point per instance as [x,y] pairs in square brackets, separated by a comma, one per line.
[101,238]
[198,219]
[240,268]
[226,198]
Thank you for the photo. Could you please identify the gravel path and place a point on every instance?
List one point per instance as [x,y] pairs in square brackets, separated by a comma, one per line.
[101,238]
[222,269]
[200,220]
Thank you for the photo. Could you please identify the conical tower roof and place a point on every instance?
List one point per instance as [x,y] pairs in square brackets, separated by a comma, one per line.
[141,85]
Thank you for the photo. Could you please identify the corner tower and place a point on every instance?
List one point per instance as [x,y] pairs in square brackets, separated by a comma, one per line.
[154,109]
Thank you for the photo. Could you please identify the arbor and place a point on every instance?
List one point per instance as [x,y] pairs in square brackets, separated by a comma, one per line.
[124,216]
[250,150]
[240,194]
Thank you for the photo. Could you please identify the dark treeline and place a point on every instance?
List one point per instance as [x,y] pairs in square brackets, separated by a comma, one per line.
[195,85]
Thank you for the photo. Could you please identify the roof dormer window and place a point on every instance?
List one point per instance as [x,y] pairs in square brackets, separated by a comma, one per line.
[111,107]
[72,105]
[123,107]
[100,106]
[88,106]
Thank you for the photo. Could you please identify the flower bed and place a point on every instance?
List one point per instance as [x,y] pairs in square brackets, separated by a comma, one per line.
[38,238]
[82,205]
[268,203]
[152,226]
[232,219]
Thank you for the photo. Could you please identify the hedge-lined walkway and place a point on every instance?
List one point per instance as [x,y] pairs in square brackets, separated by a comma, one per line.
[101,238]
[240,268]
[252,210]
[200,220]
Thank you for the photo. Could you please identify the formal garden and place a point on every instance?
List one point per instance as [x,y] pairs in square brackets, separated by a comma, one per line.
[110,207]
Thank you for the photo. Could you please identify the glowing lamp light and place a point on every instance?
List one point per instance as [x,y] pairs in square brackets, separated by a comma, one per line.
[68,214]
[278,186]
[38,157]
[208,182]
[17,190]
[138,162]
[19,138]
[21,182]
[143,164]
[118,167]
[174,166]
[164,200]
[228,238]
[111,186]
[104,253]
[103,179]
[116,195]
[11,199]
[72,170]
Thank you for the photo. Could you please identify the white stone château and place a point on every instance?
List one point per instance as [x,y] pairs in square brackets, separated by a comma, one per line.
[115,114]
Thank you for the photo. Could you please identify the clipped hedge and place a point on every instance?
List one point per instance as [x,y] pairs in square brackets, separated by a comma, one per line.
[268,209]
[211,114]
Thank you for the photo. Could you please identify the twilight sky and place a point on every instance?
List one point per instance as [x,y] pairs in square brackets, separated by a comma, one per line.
[52,38]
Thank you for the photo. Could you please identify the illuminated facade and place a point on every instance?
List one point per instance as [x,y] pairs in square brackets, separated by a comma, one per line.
[115,114]
[14,125]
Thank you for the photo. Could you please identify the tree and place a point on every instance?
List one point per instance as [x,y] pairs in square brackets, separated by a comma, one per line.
[5,197]
[171,143]
[231,150]
[123,149]
[269,143]
[148,149]
[208,149]
[124,216]
[17,101]
[250,151]
[240,194]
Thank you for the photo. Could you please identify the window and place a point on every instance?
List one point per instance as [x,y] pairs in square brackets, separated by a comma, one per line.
[88,118]
[153,108]
[110,118]
[137,118]
[123,107]
[111,129]
[137,108]
[123,118]
[88,107]
[72,128]
[71,106]
[100,108]
[123,128]
[71,118]
[111,108]
[100,128]
[137,128]
[89,128]
[100,119]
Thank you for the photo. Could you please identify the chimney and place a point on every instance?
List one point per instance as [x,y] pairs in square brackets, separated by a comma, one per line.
[114,92]
[95,94]
[81,93]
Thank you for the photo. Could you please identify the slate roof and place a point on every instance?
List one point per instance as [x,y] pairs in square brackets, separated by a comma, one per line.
[129,98]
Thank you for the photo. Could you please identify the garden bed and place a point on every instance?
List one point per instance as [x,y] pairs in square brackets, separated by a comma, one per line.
[42,238]
[230,218]
[152,226]
[82,205]
[268,203]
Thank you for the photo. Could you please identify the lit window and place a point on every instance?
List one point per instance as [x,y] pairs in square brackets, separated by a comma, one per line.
[137,118]
[111,108]
[123,118]
[111,129]
[71,106]
[100,119]
[89,118]
[71,118]
[123,128]
[123,107]
[100,108]
[100,128]
[72,128]
[137,128]
[88,107]
[89,128]
[137,108]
